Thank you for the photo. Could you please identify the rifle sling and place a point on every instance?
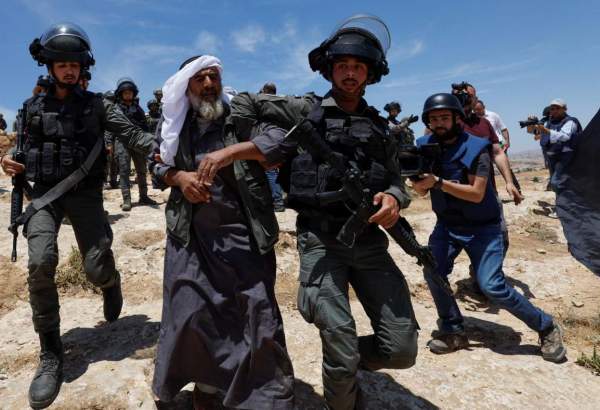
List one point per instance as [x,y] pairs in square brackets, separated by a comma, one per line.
[63,186]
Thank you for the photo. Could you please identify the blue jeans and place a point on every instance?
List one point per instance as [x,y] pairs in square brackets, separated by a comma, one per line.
[275,187]
[484,245]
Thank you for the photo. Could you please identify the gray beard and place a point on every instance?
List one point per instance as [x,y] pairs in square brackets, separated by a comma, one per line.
[206,110]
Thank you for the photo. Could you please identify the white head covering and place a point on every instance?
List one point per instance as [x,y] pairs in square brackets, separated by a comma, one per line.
[175,104]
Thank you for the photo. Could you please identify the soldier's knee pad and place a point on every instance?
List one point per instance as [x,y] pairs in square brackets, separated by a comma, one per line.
[400,351]
[99,267]
[42,264]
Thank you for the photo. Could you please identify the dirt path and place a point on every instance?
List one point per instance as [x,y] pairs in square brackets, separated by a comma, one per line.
[110,366]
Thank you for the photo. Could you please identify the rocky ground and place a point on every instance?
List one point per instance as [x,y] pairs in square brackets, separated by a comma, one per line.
[109,366]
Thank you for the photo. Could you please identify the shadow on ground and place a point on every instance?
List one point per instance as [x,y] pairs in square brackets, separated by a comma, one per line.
[381,391]
[131,336]
[306,399]
[498,338]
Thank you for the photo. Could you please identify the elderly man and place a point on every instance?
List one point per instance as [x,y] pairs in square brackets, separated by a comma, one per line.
[221,326]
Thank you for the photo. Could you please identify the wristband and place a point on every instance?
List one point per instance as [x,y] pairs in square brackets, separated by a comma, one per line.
[438,183]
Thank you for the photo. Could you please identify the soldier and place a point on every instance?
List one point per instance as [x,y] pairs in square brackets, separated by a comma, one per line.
[2,122]
[125,94]
[400,129]
[112,166]
[153,115]
[158,94]
[352,58]
[65,160]
[84,79]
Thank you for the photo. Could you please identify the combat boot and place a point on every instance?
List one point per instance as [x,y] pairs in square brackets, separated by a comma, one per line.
[448,343]
[553,349]
[113,301]
[48,377]
[146,200]
[126,205]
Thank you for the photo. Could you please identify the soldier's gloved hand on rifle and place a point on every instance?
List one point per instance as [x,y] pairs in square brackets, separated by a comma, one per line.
[388,214]
[10,166]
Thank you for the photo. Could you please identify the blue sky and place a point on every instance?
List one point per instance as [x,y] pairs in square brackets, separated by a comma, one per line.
[519,54]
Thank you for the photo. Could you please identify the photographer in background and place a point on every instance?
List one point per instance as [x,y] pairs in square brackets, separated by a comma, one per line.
[501,132]
[557,137]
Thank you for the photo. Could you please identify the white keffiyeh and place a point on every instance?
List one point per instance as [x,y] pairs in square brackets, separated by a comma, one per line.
[175,104]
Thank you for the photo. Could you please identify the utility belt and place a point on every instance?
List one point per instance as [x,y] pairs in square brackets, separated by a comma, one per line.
[50,162]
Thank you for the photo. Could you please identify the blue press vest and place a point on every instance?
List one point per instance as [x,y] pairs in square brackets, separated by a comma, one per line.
[456,161]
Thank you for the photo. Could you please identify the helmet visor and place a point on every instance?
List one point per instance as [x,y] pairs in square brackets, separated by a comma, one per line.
[371,24]
[65,29]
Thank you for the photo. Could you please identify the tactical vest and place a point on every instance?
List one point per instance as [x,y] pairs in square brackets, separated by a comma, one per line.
[360,139]
[152,122]
[135,114]
[456,161]
[560,146]
[59,142]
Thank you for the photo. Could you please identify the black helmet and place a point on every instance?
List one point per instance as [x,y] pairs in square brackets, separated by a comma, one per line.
[363,36]
[151,103]
[63,42]
[394,105]
[441,101]
[126,83]
[157,92]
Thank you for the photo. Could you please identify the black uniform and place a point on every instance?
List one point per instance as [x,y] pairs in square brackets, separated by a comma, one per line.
[60,135]
[125,155]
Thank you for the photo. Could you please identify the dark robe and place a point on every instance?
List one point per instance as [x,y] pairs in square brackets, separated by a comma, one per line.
[221,325]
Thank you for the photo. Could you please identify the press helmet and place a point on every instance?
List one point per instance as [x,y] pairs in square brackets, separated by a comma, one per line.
[441,101]
[363,36]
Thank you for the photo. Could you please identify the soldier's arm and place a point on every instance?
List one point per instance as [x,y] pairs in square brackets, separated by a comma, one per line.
[116,122]
[158,169]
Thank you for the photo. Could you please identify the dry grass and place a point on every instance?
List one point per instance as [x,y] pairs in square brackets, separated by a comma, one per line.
[70,276]
[142,238]
[591,362]
[14,285]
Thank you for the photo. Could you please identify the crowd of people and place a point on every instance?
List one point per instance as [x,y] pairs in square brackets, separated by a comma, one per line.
[223,157]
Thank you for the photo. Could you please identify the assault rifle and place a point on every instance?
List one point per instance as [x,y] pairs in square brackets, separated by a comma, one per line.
[18,182]
[361,197]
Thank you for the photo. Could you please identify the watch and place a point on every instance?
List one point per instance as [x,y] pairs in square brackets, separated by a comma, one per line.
[438,183]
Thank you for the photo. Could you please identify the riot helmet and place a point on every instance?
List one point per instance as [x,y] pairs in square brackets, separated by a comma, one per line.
[152,103]
[63,42]
[394,105]
[442,101]
[126,83]
[362,36]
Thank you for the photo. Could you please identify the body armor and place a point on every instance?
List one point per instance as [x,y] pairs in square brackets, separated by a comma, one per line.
[362,140]
[58,142]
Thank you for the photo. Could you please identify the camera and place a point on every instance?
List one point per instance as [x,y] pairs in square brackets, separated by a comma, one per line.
[415,161]
[460,91]
[533,121]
